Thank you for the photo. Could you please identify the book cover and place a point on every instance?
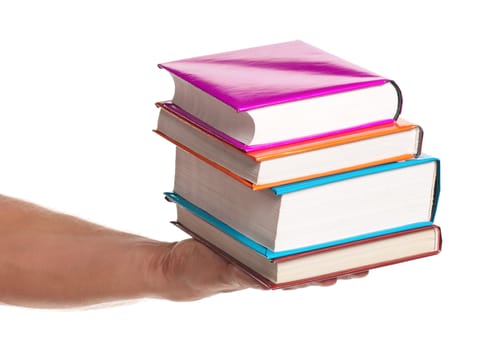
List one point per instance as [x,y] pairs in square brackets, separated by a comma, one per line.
[239,94]
[282,72]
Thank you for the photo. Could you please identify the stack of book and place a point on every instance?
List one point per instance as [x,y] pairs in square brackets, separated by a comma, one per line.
[294,164]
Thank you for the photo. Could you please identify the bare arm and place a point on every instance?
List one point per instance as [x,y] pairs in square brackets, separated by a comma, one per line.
[49,259]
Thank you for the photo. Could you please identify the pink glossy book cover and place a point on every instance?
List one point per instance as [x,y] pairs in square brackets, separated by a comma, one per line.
[262,76]
[257,77]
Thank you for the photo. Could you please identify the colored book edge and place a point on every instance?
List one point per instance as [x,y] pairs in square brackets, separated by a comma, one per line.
[258,187]
[270,254]
[315,143]
[323,180]
[288,60]
[305,146]
[397,126]
[319,181]
[178,111]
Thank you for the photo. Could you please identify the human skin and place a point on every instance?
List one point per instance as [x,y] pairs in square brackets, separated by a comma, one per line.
[54,260]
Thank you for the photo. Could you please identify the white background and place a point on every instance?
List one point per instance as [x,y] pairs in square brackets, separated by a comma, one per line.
[78,82]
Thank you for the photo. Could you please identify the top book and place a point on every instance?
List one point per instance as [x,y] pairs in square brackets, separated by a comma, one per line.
[277,94]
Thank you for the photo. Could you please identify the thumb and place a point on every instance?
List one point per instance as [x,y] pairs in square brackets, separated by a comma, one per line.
[242,280]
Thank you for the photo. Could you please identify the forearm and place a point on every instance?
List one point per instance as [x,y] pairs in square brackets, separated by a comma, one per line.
[49,259]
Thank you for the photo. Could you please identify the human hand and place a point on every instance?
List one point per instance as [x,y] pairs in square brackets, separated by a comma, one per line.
[49,259]
[331,281]
[191,271]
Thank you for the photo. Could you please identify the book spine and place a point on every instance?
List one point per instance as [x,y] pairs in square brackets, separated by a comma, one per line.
[399,99]
[419,141]
[436,194]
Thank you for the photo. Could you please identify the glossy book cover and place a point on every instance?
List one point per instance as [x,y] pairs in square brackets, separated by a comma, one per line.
[272,74]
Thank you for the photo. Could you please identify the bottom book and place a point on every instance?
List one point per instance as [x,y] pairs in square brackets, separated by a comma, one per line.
[316,265]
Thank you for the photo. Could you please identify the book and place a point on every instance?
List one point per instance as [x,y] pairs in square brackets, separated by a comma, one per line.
[282,93]
[315,265]
[323,156]
[320,212]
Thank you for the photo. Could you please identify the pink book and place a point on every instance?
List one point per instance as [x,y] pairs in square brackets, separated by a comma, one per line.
[277,94]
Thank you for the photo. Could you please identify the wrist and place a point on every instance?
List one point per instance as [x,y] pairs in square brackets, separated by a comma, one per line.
[154,268]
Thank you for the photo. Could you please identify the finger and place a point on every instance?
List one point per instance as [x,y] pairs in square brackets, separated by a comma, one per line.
[354,275]
[323,283]
[360,274]
[241,279]
[327,283]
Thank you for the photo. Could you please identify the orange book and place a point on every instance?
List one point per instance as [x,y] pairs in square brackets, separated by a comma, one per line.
[299,161]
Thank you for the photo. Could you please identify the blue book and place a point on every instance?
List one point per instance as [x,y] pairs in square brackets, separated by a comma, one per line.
[312,214]
[312,265]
